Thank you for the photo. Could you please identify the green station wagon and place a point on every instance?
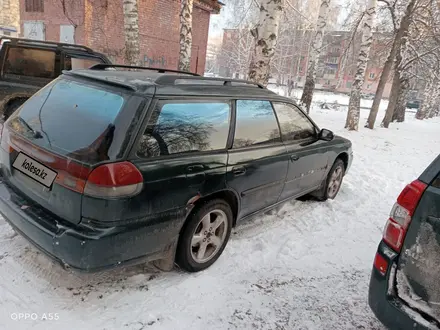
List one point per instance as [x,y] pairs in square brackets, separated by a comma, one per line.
[115,165]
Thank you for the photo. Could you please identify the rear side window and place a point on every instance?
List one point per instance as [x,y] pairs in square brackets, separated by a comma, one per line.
[30,62]
[71,119]
[72,62]
[185,126]
[294,124]
[256,124]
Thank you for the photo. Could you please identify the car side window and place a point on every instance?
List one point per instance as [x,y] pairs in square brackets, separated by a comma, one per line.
[73,62]
[256,124]
[186,126]
[294,124]
[30,62]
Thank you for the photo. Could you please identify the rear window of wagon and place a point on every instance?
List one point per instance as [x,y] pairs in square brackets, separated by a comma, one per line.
[72,119]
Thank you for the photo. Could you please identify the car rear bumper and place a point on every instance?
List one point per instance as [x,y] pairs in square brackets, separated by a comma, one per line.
[83,248]
[385,303]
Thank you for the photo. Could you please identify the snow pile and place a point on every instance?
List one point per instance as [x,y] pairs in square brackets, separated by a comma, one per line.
[304,266]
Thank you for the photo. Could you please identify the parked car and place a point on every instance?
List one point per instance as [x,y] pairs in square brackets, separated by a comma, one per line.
[117,164]
[28,65]
[404,287]
[413,104]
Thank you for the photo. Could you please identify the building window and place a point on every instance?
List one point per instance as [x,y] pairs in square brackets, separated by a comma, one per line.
[368,86]
[6,33]
[349,83]
[372,75]
[333,60]
[34,6]
[330,70]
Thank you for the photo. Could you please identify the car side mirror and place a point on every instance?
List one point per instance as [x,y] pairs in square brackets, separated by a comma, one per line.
[326,135]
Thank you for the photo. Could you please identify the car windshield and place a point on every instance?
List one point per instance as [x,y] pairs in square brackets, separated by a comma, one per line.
[71,119]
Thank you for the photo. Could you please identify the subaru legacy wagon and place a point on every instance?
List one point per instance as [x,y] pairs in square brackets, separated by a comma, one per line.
[115,165]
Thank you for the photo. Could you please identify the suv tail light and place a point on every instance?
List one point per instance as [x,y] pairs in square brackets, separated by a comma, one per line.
[401,213]
[114,180]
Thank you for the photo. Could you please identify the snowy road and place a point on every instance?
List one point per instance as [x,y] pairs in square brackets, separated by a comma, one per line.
[305,266]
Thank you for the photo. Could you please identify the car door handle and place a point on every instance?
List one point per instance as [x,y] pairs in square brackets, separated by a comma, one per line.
[194,168]
[294,158]
[240,170]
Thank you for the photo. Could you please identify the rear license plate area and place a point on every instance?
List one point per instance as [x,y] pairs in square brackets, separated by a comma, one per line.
[34,170]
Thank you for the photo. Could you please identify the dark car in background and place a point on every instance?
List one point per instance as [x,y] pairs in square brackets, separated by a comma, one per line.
[27,65]
[413,104]
[117,165]
[405,281]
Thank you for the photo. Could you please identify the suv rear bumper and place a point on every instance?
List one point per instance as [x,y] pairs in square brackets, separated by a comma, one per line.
[387,306]
[83,248]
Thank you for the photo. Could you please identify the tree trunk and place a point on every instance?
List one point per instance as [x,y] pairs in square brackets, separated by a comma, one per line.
[433,104]
[426,103]
[403,28]
[392,103]
[186,8]
[397,80]
[309,86]
[354,105]
[402,99]
[131,32]
[266,37]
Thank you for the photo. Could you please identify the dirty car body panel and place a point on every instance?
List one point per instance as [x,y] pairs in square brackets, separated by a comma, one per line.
[407,296]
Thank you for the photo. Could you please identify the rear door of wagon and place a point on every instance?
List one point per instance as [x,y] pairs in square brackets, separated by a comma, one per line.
[50,145]
[418,274]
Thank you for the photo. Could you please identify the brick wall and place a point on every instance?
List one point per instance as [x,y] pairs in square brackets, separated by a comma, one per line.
[101,27]
[53,16]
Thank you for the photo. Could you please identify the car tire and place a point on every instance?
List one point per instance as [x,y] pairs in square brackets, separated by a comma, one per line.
[332,183]
[204,236]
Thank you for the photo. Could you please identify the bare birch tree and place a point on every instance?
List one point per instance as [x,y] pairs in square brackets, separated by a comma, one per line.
[266,37]
[186,9]
[430,96]
[309,86]
[131,32]
[354,105]
[401,32]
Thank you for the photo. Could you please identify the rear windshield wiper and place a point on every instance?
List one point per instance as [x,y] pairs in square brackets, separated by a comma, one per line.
[35,134]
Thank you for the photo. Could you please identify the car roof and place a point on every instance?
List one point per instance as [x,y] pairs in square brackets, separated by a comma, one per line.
[163,82]
[46,44]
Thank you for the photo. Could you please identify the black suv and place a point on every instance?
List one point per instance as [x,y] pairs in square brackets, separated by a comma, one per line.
[27,65]
[404,287]
[118,164]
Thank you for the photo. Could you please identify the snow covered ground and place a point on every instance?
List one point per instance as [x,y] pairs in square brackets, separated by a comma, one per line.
[305,266]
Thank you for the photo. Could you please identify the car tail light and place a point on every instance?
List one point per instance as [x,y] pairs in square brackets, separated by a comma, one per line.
[401,213]
[114,180]
[380,263]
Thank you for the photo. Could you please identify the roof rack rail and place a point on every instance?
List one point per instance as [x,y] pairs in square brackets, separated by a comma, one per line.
[171,80]
[102,66]
[15,41]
